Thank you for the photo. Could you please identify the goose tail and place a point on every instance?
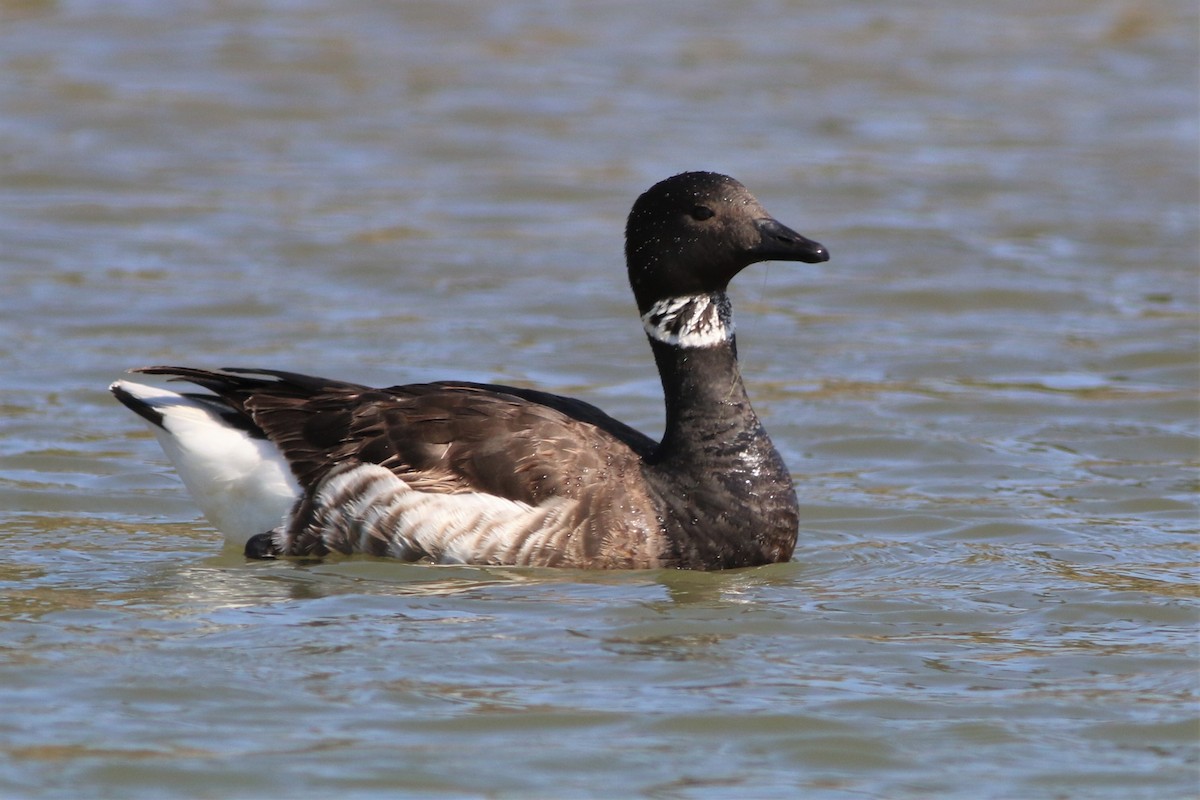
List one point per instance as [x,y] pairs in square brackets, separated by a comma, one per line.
[240,480]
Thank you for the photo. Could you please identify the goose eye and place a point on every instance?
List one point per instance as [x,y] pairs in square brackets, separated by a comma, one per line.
[701,213]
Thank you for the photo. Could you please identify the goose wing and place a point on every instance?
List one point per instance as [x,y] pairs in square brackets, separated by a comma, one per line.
[451,437]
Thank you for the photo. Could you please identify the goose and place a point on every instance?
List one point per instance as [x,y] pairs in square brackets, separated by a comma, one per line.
[452,472]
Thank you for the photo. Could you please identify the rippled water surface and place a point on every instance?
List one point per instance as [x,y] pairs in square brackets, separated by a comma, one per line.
[988,397]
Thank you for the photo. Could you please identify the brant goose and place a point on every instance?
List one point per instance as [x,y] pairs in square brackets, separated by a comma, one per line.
[455,472]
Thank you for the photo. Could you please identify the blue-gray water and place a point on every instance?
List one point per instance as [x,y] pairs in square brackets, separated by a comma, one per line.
[988,397]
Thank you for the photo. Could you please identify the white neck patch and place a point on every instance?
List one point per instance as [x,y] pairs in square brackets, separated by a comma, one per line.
[698,320]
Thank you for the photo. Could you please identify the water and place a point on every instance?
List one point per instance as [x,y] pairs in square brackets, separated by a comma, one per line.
[988,396]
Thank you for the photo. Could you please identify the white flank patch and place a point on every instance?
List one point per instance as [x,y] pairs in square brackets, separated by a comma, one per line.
[464,527]
[242,484]
[699,320]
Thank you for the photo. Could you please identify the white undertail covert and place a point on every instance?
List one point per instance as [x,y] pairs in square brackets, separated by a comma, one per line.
[242,483]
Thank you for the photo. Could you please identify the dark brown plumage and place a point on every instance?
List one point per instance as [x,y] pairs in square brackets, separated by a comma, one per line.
[495,474]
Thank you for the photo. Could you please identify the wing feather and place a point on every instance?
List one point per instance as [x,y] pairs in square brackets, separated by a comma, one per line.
[518,444]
